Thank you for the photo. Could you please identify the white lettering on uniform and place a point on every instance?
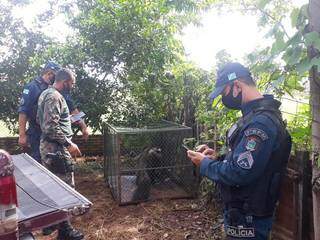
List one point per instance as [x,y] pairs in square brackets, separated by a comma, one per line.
[240,232]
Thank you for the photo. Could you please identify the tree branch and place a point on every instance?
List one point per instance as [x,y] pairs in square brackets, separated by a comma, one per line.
[255,7]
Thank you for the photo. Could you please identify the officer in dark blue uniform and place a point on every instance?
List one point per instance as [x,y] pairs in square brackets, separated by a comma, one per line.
[259,145]
[28,109]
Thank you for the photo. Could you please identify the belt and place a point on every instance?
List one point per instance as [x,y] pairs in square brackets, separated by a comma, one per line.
[244,208]
[51,140]
[239,205]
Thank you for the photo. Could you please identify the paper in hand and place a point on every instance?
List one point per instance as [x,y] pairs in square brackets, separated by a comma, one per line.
[77,117]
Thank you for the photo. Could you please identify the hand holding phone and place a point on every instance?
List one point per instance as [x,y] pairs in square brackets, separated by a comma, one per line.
[195,157]
[208,152]
[185,147]
[201,148]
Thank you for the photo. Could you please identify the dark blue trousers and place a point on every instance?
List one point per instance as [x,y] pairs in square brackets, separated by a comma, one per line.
[239,225]
[34,134]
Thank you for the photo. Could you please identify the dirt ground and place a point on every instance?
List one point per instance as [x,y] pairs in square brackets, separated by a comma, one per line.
[165,219]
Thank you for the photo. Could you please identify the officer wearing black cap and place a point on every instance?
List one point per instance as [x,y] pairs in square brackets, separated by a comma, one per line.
[28,109]
[259,145]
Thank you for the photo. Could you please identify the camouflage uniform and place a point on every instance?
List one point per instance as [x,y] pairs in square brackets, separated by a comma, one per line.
[54,119]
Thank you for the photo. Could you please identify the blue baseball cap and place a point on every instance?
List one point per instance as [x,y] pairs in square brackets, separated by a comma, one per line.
[228,73]
[52,66]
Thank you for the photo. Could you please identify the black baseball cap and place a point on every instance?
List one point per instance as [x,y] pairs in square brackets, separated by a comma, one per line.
[226,74]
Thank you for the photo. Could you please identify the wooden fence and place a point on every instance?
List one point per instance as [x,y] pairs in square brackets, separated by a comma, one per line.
[93,147]
[293,218]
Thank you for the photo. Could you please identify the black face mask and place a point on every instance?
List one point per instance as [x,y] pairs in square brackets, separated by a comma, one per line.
[51,80]
[66,89]
[232,102]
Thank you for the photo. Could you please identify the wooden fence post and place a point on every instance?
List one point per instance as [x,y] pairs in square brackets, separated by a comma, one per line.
[294,213]
[304,194]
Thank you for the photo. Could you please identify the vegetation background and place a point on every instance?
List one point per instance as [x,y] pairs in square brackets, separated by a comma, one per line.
[132,69]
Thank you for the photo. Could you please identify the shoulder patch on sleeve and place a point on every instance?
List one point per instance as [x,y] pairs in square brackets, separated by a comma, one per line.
[26,91]
[251,144]
[245,160]
[256,132]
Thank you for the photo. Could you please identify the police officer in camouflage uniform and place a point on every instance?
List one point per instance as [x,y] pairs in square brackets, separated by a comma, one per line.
[249,175]
[54,119]
[28,109]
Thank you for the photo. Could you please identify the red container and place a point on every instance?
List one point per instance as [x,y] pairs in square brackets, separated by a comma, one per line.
[8,199]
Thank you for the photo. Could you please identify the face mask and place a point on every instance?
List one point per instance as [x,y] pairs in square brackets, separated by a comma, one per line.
[51,79]
[51,82]
[232,102]
[66,88]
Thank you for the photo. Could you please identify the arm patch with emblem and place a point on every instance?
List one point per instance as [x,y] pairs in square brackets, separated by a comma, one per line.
[256,132]
[245,160]
[26,91]
[252,143]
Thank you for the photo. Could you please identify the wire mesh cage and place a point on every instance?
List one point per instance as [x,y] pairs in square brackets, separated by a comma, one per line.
[148,163]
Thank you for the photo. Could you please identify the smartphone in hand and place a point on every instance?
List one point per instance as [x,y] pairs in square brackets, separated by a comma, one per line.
[186,147]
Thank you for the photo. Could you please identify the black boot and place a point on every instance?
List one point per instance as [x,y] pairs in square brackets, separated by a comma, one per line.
[67,232]
[49,230]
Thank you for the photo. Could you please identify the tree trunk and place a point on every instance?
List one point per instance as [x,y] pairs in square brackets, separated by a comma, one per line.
[314,76]
[189,108]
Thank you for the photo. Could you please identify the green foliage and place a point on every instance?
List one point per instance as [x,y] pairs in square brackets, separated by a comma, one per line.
[287,76]
[135,141]
[134,42]
[131,67]
[283,66]
[216,118]
[193,87]
[312,39]
[19,45]
[300,127]
[262,3]
[291,49]
[190,143]
[294,16]
[121,52]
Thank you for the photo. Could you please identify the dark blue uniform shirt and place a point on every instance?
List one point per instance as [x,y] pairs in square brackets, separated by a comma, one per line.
[250,155]
[29,99]
[28,106]
[30,96]
[249,175]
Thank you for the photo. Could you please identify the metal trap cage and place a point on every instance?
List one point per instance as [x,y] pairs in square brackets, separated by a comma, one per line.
[149,163]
